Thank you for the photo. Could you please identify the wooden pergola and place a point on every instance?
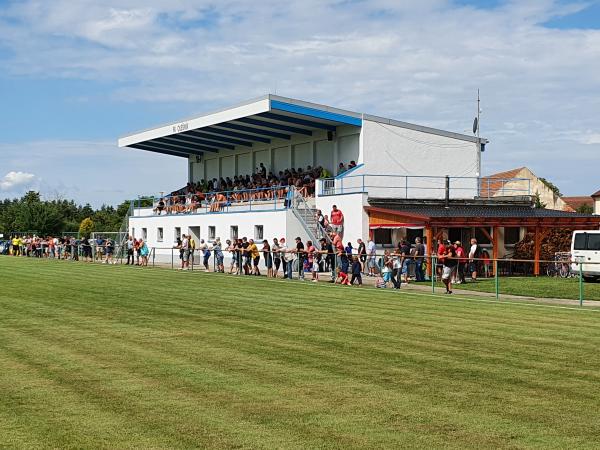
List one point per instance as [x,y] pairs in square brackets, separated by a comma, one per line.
[435,218]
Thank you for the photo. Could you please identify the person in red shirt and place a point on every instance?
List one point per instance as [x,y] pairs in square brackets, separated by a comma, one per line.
[338,248]
[336,220]
[441,251]
[462,262]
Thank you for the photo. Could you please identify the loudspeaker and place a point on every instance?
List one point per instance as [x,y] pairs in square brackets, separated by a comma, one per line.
[330,135]
[198,158]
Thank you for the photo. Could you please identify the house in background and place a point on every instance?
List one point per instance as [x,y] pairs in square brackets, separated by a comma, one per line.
[596,197]
[522,179]
[579,202]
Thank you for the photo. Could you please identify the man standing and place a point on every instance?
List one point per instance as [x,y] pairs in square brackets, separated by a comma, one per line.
[338,247]
[336,220]
[419,254]
[185,246]
[372,257]
[441,251]
[450,263]
[130,244]
[300,253]
[474,253]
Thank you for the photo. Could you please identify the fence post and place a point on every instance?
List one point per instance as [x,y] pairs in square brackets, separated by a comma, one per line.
[153,255]
[433,273]
[496,278]
[580,284]
[171,258]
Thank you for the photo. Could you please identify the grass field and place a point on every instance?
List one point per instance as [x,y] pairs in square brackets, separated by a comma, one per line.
[542,287]
[122,357]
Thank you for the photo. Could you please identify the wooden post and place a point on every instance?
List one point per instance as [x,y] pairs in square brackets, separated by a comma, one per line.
[537,243]
[429,237]
[494,248]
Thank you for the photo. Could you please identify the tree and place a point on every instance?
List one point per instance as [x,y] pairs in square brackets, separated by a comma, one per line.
[551,186]
[538,201]
[86,227]
[586,208]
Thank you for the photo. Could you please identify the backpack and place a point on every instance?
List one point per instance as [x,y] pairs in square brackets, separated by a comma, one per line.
[477,253]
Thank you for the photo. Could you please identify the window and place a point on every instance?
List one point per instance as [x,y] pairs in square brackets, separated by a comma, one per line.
[177,233]
[482,239]
[211,233]
[593,242]
[144,234]
[580,239]
[258,232]
[159,234]
[382,236]
[233,232]
[512,235]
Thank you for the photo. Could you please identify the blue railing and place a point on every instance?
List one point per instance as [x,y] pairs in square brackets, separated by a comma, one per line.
[415,187]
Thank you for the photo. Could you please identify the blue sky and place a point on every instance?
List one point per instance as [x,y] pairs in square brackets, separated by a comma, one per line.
[74,76]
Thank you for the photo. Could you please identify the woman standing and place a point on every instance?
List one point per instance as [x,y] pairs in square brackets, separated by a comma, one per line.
[268,258]
[276,257]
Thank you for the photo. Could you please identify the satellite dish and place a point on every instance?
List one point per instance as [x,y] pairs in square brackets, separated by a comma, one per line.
[475,125]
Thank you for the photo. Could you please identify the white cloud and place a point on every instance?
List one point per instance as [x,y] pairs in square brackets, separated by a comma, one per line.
[13,180]
[414,61]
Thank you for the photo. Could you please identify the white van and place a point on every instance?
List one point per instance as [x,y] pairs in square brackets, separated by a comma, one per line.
[585,249]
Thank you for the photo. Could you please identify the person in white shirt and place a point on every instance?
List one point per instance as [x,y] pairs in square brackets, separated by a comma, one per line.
[185,246]
[474,254]
[372,257]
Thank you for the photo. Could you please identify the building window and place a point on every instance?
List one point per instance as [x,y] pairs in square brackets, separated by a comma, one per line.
[258,232]
[233,232]
[159,234]
[177,233]
[212,233]
[482,239]
[144,234]
[512,235]
[382,236]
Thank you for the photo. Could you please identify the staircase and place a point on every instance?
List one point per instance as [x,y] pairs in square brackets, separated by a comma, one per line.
[305,213]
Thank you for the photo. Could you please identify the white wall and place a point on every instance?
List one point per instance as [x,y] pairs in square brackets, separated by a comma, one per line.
[356,220]
[275,224]
[389,149]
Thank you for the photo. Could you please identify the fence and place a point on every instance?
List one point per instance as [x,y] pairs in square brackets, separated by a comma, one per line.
[431,187]
[565,279]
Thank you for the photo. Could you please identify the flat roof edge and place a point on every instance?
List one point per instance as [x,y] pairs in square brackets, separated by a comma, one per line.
[425,129]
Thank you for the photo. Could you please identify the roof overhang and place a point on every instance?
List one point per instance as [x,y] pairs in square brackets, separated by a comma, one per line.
[257,121]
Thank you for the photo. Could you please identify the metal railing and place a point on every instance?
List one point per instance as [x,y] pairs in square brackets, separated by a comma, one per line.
[261,199]
[409,186]
[306,214]
[393,269]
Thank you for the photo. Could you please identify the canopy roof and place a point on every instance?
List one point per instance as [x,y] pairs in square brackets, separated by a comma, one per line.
[257,121]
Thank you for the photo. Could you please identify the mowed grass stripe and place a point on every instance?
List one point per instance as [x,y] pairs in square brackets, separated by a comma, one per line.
[237,361]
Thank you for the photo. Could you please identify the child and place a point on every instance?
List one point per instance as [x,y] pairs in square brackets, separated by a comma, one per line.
[356,270]
[342,277]
[380,283]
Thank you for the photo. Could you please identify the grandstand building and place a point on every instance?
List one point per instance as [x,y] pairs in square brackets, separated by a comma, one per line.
[401,168]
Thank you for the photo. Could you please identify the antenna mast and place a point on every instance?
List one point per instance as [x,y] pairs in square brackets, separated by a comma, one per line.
[478,111]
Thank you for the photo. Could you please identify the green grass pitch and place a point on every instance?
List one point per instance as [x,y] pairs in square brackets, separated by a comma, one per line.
[122,357]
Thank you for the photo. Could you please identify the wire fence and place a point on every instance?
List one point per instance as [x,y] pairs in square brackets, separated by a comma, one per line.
[563,278]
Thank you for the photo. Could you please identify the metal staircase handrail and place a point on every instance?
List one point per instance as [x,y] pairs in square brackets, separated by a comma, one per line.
[298,200]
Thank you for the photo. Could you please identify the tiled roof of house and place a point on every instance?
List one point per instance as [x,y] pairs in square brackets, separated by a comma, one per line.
[576,202]
[489,186]
[483,211]
[595,194]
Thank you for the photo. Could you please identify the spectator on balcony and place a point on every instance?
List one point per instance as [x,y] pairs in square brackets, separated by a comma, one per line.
[337,220]
[341,169]
[160,206]
[352,165]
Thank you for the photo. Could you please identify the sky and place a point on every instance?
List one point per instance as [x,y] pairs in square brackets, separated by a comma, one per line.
[74,76]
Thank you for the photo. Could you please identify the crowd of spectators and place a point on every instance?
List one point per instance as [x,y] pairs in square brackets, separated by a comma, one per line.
[262,185]
[63,248]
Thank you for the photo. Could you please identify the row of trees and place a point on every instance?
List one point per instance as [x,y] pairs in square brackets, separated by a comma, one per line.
[51,217]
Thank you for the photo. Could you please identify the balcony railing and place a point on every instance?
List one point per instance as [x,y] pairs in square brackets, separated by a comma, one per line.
[263,199]
[423,187]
